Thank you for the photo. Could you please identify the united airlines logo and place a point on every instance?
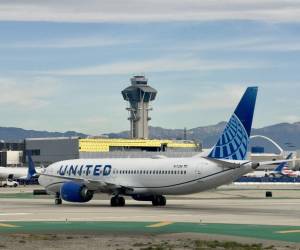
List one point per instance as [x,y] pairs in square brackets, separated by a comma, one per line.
[85,170]
[233,143]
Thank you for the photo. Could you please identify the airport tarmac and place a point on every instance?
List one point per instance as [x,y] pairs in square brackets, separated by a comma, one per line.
[229,204]
[230,210]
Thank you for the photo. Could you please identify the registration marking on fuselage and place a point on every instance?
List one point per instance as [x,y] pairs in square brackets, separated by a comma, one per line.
[161,224]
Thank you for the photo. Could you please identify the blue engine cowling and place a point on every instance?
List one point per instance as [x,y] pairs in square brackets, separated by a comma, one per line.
[75,192]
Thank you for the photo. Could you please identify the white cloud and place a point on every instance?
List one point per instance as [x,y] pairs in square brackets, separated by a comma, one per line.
[75,42]
[240,44]
[170,64]
[226,97]
[24,93]
[149,10]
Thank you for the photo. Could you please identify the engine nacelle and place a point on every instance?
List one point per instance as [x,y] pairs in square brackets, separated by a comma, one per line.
[75,192]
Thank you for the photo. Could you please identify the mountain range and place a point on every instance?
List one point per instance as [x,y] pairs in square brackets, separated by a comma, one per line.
[287,135]
[12,134]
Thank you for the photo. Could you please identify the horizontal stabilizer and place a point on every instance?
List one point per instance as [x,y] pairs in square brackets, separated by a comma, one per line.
[265,163]
[227,163]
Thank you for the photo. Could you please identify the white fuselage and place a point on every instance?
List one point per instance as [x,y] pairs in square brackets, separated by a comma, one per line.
[15,172]
[143,176]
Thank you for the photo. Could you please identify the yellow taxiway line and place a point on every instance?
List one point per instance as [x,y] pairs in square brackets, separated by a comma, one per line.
[161,224]
[288,232]
[8,225]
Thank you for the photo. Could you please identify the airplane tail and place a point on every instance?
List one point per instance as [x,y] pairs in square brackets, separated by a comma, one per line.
[233,143]
[280,167]
[31,168]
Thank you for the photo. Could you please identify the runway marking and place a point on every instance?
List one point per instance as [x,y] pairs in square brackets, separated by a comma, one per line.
[161,224]
[289,231]
[8,225]
[7,214]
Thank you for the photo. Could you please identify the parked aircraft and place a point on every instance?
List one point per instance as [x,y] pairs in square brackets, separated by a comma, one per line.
[277,172]
[281,169]
[20,172]
[150,179]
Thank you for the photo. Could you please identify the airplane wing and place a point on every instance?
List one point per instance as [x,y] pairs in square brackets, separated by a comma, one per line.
[264,163]
[237,164]
[159,157]
[94,185]
[227,163]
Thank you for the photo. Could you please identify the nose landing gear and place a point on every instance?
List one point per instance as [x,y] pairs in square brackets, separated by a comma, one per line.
[58,200]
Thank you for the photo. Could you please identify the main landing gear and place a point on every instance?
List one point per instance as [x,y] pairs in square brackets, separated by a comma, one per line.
[117,201]
[58,200]
[159,200]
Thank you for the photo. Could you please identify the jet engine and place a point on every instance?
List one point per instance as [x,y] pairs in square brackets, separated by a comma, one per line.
[75,192]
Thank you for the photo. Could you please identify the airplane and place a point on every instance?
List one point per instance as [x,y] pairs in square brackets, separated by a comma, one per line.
[285,171]
[21,173]
[282,169]
[151,179]
[276,172]
[289,172]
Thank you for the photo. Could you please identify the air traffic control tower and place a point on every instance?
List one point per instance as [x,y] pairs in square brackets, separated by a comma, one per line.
[139,94]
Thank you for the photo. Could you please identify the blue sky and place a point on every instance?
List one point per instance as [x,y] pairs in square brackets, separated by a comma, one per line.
[64,63]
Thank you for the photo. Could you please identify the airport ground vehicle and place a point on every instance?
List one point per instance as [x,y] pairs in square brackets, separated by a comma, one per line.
[9,183]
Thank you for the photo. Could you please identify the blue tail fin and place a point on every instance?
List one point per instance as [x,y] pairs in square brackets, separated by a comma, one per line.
[282,165]
[234,141]
[31,168]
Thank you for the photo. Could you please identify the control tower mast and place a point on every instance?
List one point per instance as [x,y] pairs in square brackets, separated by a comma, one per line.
[139,94]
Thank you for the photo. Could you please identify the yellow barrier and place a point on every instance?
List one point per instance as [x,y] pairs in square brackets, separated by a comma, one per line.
[103,145]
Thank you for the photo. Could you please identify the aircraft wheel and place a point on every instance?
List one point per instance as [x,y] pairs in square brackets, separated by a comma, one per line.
[159,201]
[117,201]
[58,201]
[122,201]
